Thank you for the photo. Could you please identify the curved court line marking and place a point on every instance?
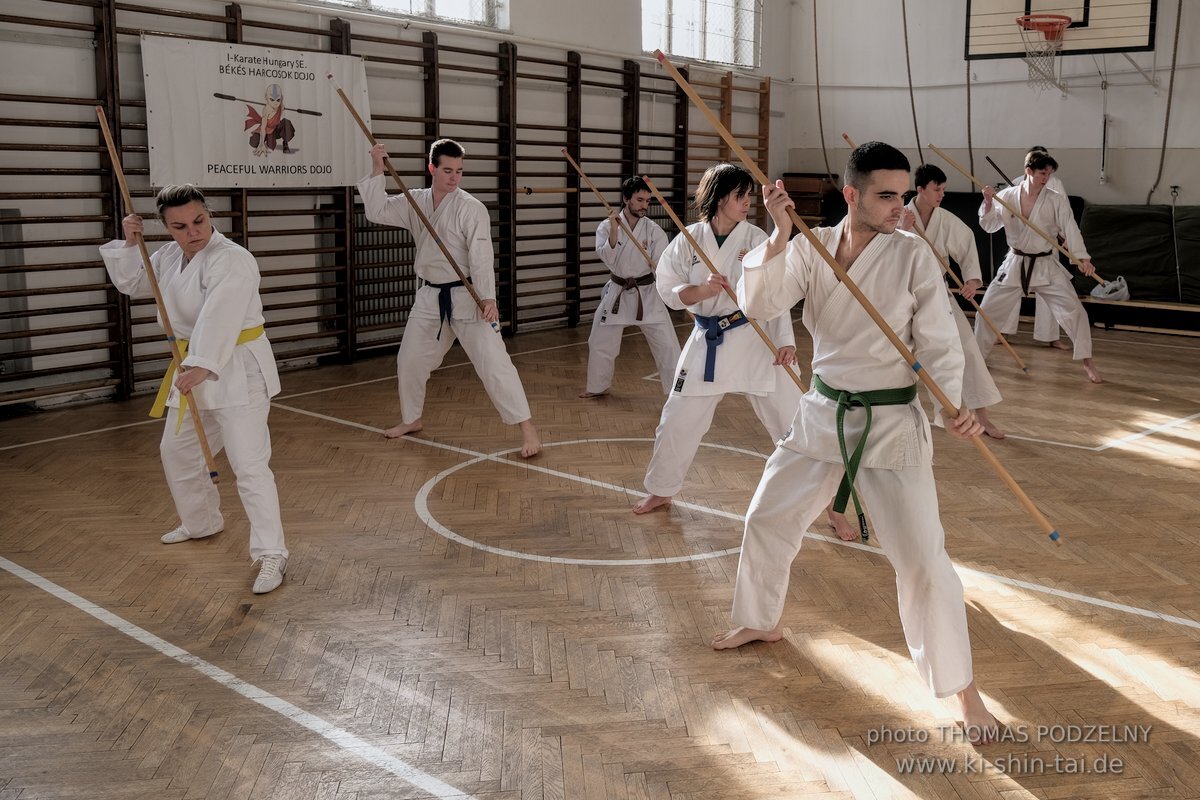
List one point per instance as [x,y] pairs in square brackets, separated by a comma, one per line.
[1034,587]
[342,738]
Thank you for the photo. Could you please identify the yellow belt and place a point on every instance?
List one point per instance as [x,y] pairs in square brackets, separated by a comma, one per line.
[160,402]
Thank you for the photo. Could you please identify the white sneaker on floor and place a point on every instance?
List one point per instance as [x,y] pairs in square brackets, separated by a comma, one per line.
[270,574]
[180,534]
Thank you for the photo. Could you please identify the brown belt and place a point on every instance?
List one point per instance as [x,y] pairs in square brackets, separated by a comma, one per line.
[630,284]
[1027,267]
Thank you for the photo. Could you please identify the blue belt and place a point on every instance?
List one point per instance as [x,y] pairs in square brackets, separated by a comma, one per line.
[714,333]
[445,307]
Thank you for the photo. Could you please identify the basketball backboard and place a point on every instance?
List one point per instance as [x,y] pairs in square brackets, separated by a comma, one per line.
[1097,26]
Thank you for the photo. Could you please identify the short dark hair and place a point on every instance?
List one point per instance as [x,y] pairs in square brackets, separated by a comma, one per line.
[1038,147]
[445,147]
[717,182]
[869,157]
[927,173]
[631,186]
[178,195]
[1040,159]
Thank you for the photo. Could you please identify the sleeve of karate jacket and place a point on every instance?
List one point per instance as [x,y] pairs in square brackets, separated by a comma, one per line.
[481,266]
[993,220]
[384,210]
[125,269]
[658,241]
[674,272]
[934,333]
[770,289]
[608,254]
[231,281]
[1066,224]
[960,244]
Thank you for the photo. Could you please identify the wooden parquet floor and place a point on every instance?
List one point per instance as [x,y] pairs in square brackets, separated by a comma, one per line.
[458,623]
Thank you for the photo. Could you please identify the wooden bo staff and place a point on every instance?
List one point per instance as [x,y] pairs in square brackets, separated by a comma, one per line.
[176,357]
[413,203]
[698,250]
[996,167]
[641,248]
[1017,213]
[905,353]
[946,268]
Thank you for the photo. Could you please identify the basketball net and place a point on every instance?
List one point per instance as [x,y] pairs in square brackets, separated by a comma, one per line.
[1042,35]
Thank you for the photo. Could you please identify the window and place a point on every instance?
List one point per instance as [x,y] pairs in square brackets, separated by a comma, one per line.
[725,31]
[475,12]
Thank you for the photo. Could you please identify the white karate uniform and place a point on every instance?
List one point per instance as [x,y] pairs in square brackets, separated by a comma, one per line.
[210,301]
[1002,301]
[1045,326]
[463,224]
[952,237]
[743,361]
[899,275]
[625,260]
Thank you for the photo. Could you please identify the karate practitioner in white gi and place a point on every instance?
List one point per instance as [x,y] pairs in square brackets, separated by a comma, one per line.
[1032,263]
[723,353]
[210,289]
[443,309]
[629,297]
[898,274]
[953,238]
[1045,326]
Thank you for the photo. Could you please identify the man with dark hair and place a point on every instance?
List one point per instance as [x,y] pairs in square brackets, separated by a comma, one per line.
[723,354]
[629,297]
[443,310]
[951,237]
[1032,264]
[1045,326]
[209,287]
[854,368]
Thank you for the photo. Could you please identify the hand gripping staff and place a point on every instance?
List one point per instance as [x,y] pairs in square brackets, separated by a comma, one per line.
[413,203]
[905,353]
[698,250]
[946,268]
[176,358]
[1017,213]
[608,208]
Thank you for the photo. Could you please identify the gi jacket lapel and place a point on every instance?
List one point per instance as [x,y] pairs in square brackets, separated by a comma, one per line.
[841,303]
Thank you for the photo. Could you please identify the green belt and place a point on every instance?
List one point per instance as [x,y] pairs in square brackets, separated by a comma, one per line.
[865,400]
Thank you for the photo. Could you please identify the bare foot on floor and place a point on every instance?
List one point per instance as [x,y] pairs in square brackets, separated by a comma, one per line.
[403,429]
[590,395]
[841,525]
[1093,374]
[1058,344]
[988,426]
[532,445]
[740,636]
[651,502]
[977,722]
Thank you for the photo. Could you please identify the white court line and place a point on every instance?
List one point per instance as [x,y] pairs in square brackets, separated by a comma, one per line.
[478,457]
[1132,437]
[343,739]
[81,433]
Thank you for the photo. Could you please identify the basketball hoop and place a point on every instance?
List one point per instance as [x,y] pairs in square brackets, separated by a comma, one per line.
[1042,35]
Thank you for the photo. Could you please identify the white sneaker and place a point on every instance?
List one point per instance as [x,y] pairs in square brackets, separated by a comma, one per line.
[180,534]
[270,574]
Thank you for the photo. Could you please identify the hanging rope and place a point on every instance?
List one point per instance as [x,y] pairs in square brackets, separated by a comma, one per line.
[908,63]
[970,149]
[1162,156]
[820,120]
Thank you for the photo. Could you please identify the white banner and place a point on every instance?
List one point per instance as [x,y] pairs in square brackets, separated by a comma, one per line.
[232,115]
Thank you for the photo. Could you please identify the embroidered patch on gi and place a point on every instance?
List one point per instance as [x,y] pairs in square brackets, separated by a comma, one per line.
[742,254]
[680,380]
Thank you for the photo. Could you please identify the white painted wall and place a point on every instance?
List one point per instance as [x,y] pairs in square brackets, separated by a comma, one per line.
[865,93]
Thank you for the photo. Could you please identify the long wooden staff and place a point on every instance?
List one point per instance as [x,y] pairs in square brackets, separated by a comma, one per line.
[413,203]
[946,268]
[1017,213]
[608,208]
[698,250]
[905,353]
[176,357]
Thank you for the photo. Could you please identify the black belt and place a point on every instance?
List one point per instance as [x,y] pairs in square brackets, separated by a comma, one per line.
[1027,266]
[445,306]
[629,284]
